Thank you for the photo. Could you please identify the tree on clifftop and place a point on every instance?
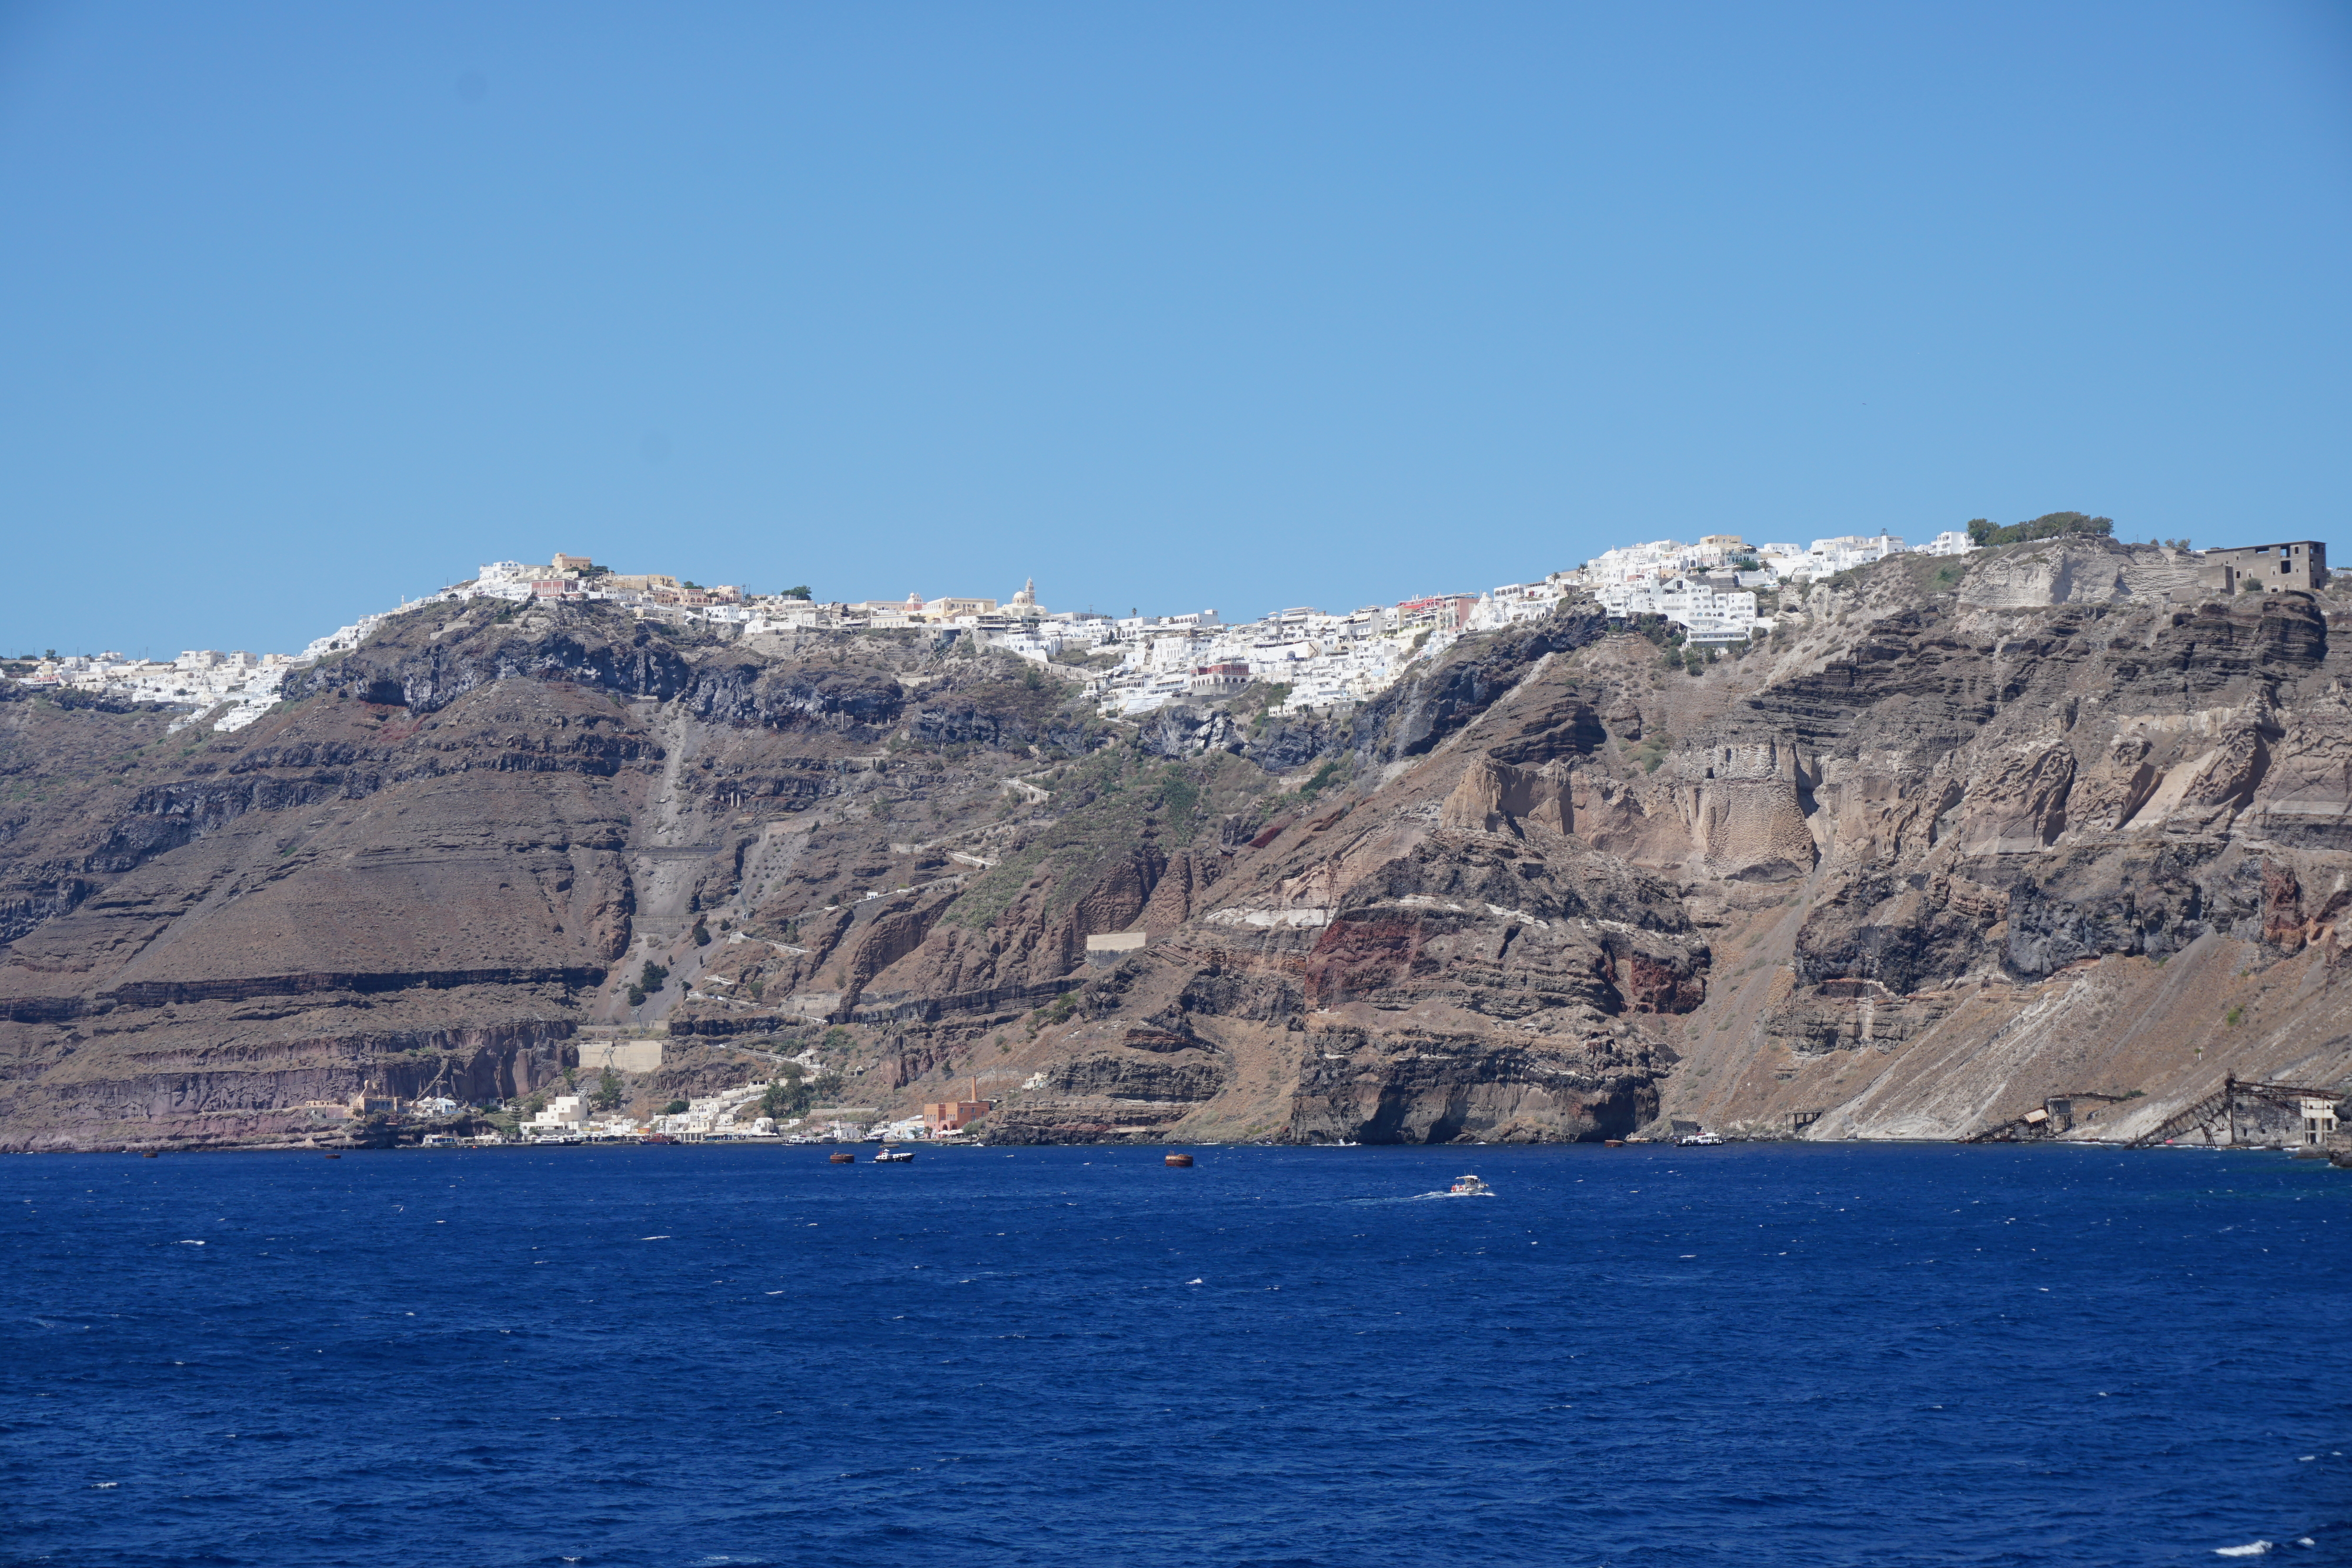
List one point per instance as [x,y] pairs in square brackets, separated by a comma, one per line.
[2048,525]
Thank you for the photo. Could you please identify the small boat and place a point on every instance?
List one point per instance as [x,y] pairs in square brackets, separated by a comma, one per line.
[148,1156]
[335,1156]
[893,1157]
[1698,1141]
[1612,1143]
[1470,1186]
[1180,1162]
[844,1159]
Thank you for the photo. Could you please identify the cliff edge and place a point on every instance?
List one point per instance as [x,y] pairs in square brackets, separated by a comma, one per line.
[1962,839]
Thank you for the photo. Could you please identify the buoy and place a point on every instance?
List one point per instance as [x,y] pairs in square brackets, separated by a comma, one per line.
[1182,1161]
[1612,1143]
[844,1159]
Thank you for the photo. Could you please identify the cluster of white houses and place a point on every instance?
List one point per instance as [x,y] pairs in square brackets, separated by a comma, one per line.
[200,680]
[731,1114]
[1310,658]
[1713,591]
[1708,590]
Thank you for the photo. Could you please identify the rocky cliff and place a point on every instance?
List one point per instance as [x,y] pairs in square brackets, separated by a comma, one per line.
[1963,838]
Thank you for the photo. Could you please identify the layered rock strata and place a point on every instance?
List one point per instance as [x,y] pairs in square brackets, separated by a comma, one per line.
[2045,825]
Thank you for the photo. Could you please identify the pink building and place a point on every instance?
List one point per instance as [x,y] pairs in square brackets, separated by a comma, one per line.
[953,1115]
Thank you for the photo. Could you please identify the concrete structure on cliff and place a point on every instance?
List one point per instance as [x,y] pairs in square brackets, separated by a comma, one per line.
[2299,564]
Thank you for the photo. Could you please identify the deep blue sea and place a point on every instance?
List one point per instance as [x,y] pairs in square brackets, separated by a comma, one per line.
[733,1355]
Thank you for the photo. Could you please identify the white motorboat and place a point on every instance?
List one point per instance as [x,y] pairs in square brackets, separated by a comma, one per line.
[1470,1186]
[1698,1141]
[893,1157]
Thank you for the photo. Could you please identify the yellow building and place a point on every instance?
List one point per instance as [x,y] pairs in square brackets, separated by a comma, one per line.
[953,609]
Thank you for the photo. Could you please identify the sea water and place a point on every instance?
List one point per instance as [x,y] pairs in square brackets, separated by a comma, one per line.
[715,1354]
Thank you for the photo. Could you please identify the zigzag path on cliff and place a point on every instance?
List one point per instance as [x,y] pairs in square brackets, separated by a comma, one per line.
[2045,825]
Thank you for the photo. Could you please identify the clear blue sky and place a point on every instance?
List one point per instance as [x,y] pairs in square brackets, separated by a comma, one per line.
[304,307]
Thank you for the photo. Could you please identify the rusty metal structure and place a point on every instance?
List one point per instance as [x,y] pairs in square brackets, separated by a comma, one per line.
[2054,1115]
[2218,1115]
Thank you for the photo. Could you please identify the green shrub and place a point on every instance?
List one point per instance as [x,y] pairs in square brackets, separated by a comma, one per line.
[1176,793]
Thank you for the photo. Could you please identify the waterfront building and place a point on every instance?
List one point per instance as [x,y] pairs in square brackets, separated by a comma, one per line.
[954,1115]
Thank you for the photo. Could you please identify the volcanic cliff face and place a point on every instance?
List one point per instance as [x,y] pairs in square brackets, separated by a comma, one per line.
[1964,836]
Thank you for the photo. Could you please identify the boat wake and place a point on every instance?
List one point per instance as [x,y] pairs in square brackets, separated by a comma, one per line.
[1405,1198]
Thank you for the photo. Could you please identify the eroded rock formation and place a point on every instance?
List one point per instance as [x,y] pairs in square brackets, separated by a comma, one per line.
[1959,838]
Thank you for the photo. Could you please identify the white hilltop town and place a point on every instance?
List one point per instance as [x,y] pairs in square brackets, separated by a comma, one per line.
[1130,665]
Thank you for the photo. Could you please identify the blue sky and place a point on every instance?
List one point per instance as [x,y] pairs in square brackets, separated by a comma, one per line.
[306,308]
